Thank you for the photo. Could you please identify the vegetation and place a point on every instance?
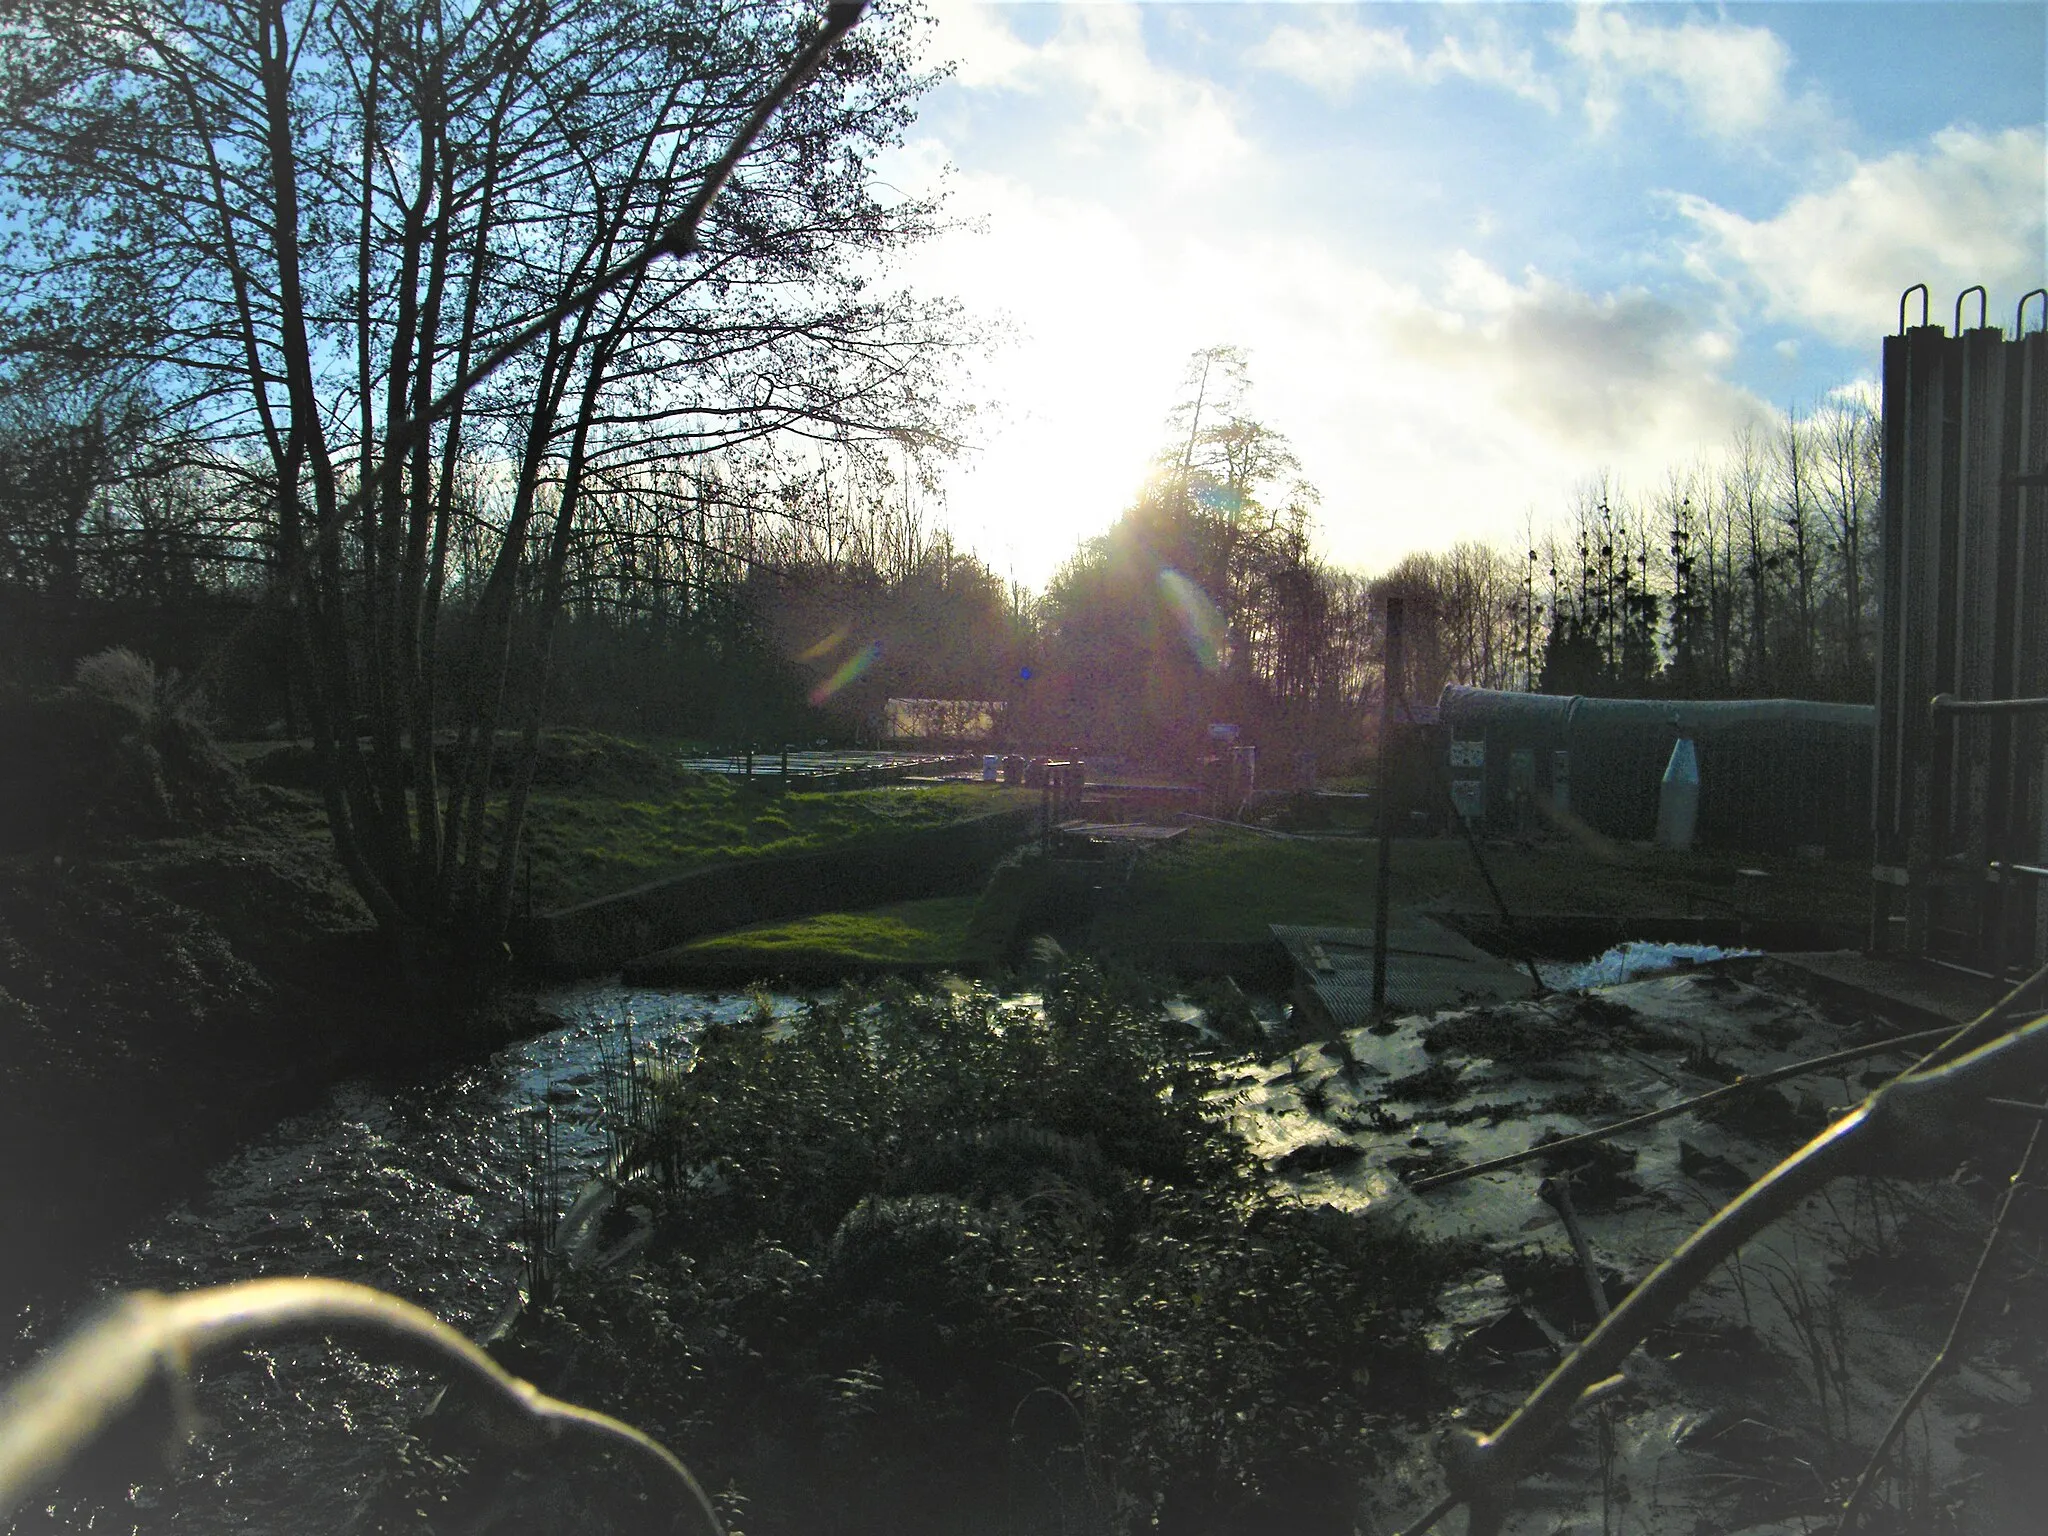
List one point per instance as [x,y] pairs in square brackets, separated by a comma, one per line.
[393,283]
[909,935]
[1226,885]
[923,1263]
[586,844]
[608,813]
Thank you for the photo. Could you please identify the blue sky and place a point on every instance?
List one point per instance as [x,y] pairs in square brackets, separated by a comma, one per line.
[1477,253]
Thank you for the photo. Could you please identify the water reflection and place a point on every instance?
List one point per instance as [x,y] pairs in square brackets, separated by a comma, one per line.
[414,1187]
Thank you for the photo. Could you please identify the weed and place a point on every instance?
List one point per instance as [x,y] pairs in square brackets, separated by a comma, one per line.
[1583,1103]
[1437,1083]
[929,1263]
[1821,1334]
[540,1211]
[1703,1061]
[1599,1171]
[121,677]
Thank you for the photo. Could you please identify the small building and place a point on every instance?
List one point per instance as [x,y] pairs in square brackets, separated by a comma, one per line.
[1775,774]
[941,722]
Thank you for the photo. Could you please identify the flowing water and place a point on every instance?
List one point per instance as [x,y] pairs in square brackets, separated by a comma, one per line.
[416,1188]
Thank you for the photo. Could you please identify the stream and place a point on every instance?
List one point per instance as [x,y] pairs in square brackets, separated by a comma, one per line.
[414,1187]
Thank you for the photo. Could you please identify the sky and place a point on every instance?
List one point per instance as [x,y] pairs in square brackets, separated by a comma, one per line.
[1477,254]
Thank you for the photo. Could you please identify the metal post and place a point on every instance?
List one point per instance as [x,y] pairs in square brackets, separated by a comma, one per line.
[1389,691]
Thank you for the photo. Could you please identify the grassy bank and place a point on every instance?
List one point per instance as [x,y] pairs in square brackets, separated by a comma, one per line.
[1224,885]
[904,936]
[608,814]
[586,843]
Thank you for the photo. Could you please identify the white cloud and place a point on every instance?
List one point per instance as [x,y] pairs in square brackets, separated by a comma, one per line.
[984,51]
[1424,418]
[1337,52]
[1183,127]
[1730,79]
[1599,374]
[1969,208]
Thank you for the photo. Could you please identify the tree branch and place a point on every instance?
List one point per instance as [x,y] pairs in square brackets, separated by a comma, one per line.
[85,1385]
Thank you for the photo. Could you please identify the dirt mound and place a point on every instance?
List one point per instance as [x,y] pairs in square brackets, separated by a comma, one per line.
[75,762]
[566,759]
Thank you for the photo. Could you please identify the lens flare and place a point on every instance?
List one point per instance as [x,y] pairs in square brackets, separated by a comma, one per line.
[1200,624]
[849,669]
[825,646]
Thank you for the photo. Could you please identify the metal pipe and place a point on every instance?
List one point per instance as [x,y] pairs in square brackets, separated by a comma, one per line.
[1390,689]
[2019,314]
[1983,299]
[1921,289]
[1949,704]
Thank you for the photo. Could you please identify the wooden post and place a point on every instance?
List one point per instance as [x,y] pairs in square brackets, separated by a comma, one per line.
[1390,690]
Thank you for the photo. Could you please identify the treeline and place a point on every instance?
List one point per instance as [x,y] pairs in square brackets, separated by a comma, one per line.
[699,599]
[1748,574]
[695,604]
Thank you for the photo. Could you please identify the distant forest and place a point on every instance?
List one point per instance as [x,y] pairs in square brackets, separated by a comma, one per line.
[697,606]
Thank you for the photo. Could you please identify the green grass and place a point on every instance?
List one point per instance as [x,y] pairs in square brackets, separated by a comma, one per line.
[608,814]
[586,845]
[1217,885]
[929,933]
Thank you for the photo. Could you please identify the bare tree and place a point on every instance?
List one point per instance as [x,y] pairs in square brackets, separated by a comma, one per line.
[1745,494]
[1847,448]
[404,256]
[1798,533]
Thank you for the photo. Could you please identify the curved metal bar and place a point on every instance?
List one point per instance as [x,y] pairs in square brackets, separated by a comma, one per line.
[1949,704]
[1983,299]
[87,1383]
[1921,289]
[2019,312]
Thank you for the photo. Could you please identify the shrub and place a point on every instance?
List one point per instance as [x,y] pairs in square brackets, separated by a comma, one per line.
[119,676]
[930,1263]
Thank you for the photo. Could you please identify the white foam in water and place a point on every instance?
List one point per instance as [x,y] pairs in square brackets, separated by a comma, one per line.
[1625,962]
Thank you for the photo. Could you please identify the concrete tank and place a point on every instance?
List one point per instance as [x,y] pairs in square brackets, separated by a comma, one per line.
[1774,774]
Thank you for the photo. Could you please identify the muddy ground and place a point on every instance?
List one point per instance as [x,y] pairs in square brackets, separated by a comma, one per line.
[1755,1408]
[167,991]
